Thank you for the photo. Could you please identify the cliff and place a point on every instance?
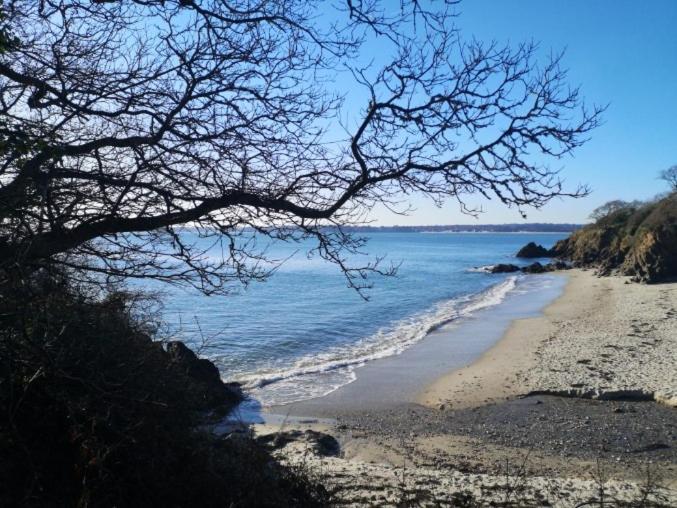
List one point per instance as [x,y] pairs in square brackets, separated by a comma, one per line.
[640,241]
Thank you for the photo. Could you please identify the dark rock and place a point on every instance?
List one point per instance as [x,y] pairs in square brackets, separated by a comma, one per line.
[534,268]
[213,392]
[531,250]
[548,267]
[504,268]
[557,265]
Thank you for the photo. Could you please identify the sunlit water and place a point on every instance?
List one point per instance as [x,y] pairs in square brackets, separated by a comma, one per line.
[303,333]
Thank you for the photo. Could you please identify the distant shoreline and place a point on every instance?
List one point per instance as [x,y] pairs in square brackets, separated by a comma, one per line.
[533,228]
[536,227]
[492,231]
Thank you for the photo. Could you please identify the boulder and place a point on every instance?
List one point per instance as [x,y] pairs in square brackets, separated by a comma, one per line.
[548,267]
[534,268]
[213,392]
[504,268]
[532,250]
[556,265]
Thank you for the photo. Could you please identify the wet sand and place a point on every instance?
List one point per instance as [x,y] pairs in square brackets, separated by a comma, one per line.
[399,380]
[602,338]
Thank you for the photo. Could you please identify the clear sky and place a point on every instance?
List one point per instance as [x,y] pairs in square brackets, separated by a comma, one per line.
[622,53]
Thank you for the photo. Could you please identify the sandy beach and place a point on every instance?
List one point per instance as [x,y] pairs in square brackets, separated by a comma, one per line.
[603,338]
[580,396]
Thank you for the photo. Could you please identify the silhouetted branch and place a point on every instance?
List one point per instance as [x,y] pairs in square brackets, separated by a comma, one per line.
[125,120]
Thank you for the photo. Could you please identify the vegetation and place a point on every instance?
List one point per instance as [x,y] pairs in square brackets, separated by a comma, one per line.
[670,176]
[611,207]
[638,239]
[96,413]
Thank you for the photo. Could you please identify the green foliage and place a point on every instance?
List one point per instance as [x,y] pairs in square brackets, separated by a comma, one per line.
[94,413]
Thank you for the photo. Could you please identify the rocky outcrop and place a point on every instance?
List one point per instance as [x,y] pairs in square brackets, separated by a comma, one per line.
[504,268]
[532,250]
[548,267]
[640,242]
[534,268]
[212,391]
[654,257]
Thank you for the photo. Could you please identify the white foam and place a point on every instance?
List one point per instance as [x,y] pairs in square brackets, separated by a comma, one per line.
[319,374]
[481,269]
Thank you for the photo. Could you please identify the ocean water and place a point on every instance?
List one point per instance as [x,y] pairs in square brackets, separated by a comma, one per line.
[304,333]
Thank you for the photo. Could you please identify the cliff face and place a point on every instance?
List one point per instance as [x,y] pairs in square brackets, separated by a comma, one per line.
[641,242]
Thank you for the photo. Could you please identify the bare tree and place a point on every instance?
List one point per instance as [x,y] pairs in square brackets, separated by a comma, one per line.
[670,176]
[613,206]
[124,120]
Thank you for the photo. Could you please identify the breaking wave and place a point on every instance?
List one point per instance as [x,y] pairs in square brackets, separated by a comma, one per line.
[315,375]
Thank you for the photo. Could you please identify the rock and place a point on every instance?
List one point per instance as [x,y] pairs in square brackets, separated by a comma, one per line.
[640,242]
[504,268]
[534,268]
[213,392]
[548,267]
[531,250]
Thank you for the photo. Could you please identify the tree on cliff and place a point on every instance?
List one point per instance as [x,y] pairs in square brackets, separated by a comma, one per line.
[613,206]
[121,121]
[670,176]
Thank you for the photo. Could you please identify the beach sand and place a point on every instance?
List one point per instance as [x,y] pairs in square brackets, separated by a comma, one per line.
[584,391]
[603,338]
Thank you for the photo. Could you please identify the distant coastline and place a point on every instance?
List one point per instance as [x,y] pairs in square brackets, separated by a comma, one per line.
[536,227]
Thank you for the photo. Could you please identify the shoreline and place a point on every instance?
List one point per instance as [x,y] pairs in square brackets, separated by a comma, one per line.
[398,380]
[493,376]
[601,339]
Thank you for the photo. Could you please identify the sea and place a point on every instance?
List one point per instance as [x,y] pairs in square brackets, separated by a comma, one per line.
[304,333]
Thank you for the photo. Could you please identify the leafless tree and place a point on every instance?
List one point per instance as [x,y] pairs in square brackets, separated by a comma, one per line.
[613,206]
[670,176]
[122,121]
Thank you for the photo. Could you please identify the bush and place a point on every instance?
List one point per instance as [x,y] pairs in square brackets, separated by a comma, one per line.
[94,412]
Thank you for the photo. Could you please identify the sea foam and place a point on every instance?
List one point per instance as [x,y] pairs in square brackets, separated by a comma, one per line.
[319,374]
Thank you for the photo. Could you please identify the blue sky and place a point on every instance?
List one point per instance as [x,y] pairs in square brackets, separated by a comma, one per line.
[622,53]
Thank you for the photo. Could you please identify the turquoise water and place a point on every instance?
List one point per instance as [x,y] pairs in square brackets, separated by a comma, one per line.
[303,333]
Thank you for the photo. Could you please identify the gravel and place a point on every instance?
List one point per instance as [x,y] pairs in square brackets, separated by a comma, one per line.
[567,427]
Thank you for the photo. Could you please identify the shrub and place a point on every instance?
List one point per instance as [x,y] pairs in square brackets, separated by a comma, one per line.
[95,413]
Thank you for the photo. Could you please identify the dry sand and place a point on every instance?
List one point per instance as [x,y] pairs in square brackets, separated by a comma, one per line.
[360,483]
[603,338]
